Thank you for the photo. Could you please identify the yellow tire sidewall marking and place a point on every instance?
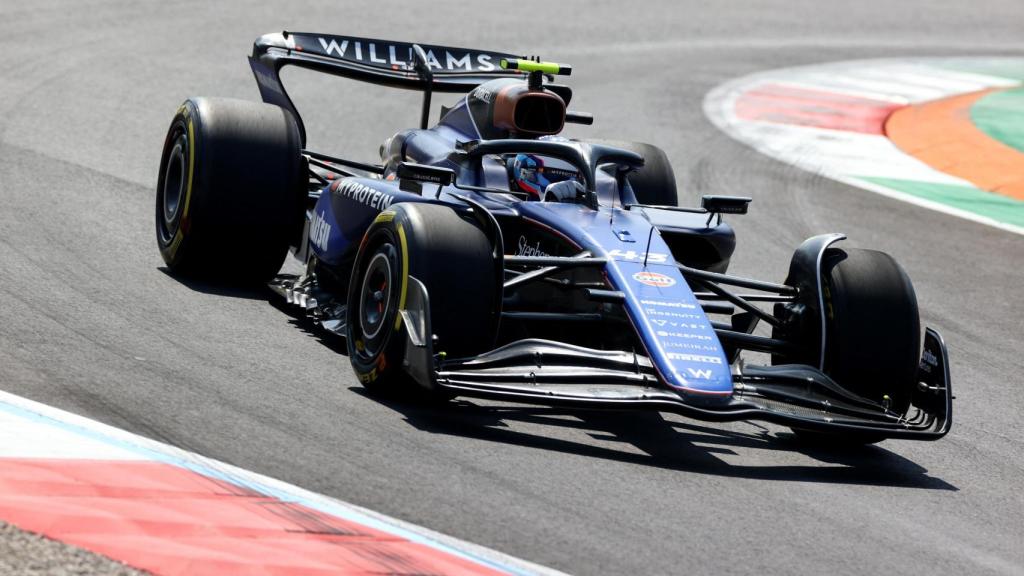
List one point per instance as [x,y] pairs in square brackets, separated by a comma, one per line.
[405,275]
[180,234]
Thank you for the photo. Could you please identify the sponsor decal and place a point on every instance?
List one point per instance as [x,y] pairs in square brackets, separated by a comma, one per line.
[364,194]
[319,231]
[928,361]
[484,93]
[399,55]
[667,334]
[691,346]
[703,374]
[684,325]
[666,304]
[694,358]
[655,279]
[654,312]
[633,256]
[524,248]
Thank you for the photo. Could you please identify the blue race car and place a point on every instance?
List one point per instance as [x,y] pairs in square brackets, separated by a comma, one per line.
[487,256]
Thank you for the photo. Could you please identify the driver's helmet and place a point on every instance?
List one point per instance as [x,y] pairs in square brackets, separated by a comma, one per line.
[526,174]
[533,174]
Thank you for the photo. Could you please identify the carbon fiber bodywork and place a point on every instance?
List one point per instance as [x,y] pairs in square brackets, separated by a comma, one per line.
[624,315]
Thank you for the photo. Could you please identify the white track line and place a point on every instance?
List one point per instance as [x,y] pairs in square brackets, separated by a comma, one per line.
[846,156]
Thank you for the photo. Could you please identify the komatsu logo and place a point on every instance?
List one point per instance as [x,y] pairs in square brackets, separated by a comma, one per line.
[319,231]
[365,195]
[399,55]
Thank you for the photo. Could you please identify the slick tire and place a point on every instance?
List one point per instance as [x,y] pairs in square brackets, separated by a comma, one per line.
[873,331]
[229,193]
[655,182]
[453,259]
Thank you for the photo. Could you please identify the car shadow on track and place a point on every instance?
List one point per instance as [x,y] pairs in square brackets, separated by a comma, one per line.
[683,446]
[686,446]
[247,291]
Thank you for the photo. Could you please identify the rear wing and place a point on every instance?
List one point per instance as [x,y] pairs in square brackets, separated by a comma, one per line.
[397,64]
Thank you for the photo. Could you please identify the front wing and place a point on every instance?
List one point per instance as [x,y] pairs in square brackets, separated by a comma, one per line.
[553,373]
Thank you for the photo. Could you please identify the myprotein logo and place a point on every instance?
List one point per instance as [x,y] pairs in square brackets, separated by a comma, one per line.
[364,194]
[399,55]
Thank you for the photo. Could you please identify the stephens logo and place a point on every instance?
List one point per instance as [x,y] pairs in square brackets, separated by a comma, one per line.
[525,249]
[654,279]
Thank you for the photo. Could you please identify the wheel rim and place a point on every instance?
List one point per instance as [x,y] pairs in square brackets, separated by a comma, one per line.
[172,194]
[375,298]
[174,183]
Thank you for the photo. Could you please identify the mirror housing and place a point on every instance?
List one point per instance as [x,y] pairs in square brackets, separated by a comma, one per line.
[725,204]
[411,176]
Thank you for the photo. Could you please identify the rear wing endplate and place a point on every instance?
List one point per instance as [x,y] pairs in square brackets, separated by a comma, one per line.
[381,62]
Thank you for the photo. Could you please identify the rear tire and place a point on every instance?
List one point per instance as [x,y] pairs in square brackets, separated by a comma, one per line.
[229,194]
[873,331]
[454,261]
[655,182]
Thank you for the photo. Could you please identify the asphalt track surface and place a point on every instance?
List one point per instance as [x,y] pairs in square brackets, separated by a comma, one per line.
[90,323]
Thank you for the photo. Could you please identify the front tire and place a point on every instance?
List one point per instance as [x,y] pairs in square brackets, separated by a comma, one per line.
[873,331]
[655,183]
[229,194]
[453,259]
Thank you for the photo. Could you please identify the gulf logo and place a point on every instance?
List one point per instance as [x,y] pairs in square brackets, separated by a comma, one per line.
[654,279]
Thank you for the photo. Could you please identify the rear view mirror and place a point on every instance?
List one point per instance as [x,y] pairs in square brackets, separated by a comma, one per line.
[410,176]
[725,204]
[718,205]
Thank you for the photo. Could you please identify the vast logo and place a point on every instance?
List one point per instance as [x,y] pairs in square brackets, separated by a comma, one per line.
[655,279]
[319,231]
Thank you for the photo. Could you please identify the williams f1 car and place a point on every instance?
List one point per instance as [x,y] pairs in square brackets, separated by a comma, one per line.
[487,256]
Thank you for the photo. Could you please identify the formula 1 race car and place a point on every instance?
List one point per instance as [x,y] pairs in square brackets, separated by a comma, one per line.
[486,256]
